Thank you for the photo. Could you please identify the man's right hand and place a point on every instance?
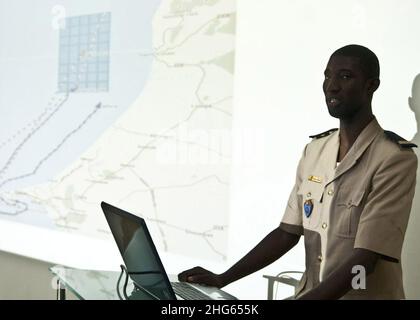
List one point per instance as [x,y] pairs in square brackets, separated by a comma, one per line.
[202,276]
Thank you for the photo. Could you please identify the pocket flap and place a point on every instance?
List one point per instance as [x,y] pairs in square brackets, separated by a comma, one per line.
[350,198]
[311,190]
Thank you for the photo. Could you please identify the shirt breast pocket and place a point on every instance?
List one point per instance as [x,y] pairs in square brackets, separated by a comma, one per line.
[311,194]
[347,213]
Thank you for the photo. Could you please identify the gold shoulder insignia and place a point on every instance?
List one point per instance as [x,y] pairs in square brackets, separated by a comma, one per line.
[399,140]
[323,134]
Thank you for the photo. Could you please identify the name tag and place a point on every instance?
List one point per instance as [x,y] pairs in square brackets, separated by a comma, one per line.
[315,179]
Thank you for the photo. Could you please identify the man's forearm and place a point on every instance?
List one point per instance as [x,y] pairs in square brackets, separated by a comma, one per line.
[339,282]
[272,247]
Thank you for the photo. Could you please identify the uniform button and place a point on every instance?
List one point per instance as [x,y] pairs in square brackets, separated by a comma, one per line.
[308,195]
[320,258]
[330,192]
[324,226]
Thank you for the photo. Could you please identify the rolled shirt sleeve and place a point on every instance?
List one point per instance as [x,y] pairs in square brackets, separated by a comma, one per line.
[292,218]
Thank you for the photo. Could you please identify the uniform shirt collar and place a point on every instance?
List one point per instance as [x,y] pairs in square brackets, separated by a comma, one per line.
[362,142]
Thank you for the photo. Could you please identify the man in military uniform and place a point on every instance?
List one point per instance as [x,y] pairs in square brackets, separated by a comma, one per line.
[351,200]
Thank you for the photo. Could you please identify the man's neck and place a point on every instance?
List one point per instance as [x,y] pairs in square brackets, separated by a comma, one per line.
[350,129]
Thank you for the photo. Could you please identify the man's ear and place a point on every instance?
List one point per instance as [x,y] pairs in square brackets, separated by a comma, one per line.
[373,85]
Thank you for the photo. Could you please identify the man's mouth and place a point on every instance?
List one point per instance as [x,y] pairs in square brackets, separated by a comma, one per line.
[333,102]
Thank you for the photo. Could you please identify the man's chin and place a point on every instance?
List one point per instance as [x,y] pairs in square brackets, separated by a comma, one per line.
[335,112]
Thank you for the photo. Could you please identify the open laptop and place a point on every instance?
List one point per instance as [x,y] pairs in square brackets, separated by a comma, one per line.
[143,263]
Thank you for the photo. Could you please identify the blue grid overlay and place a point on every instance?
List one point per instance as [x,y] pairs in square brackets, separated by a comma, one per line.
[84,54]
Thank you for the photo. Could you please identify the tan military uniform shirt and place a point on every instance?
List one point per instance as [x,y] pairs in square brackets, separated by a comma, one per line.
[364,202]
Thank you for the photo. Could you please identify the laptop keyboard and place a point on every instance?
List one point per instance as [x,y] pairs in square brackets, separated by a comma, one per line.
[187,292]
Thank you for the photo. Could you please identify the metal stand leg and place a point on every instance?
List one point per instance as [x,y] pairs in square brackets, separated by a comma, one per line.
[270,290]
[61,291]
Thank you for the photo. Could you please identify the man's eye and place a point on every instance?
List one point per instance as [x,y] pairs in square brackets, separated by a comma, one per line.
[345,76]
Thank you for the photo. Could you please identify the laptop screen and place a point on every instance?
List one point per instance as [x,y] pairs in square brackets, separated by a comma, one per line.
[138,252]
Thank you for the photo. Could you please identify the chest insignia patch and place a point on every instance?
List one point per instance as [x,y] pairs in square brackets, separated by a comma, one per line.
[307,207]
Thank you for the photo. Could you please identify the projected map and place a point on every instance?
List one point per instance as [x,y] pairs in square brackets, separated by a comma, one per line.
[134,109]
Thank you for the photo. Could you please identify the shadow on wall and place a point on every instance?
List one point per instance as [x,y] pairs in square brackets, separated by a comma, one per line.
[411,248]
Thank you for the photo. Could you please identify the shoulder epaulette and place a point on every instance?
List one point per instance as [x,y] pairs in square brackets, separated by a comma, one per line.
[324,134]
[399,140]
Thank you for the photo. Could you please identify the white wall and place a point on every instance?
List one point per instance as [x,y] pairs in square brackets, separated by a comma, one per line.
[25,278]
[410,257]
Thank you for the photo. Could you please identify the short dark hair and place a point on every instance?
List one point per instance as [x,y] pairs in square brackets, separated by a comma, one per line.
[368,60]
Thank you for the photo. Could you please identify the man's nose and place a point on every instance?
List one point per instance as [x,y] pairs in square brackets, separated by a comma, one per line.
[332,86]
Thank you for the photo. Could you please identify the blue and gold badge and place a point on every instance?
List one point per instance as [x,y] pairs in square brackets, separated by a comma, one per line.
[307,207]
